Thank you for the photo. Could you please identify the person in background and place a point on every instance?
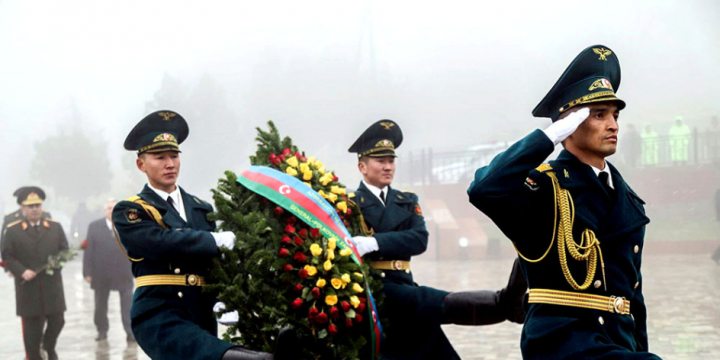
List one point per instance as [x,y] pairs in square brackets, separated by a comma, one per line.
[650,146]
[679,136]
[632,146]
[106,269]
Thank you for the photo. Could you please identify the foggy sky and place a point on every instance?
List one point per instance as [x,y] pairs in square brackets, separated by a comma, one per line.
[452,74]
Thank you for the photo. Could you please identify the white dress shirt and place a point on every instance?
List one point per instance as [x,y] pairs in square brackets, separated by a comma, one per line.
[605,170]
[109,224]
[376,191]
[176,197]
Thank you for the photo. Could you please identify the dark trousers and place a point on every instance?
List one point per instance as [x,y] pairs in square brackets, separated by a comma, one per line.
[101,309]
[33,333]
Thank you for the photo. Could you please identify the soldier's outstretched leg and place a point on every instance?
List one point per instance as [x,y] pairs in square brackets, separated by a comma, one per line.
[487,307]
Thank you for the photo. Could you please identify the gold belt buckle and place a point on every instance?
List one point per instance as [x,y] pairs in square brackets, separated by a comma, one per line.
[619,305]
[192,280]
[398,265]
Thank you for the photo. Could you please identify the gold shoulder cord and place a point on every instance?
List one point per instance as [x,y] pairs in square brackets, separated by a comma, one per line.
[365,230]
[154,214]
[590,251]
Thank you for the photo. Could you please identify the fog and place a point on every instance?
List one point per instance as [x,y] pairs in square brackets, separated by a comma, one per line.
[453,75]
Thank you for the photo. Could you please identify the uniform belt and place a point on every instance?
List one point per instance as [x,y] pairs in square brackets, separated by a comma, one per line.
[391,265]
[613,304]
[177,280]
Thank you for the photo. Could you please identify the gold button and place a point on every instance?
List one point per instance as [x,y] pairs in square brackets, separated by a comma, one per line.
[597,283]
[180,294]
[398,265]
[601,320]
[192,280]
[636,249]
[637,284]
[177,271]
[407,271]
[382,274]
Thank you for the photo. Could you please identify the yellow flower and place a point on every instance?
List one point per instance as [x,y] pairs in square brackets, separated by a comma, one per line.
[311,270]
[315,249]
[325,179]
[331,243]
[322,193]
[358,276]
[351,195]
[327,265]
[320,283]
[304,167]
[357,288]
[293,161]
[307,175]
[331,254]
[345,252]
[354,301]
[342,206]
[290,171]
[308,184]
[319,164]
[332,197]
[321,170]
[337,190]
[311,160]
[345,278]
[336,283]
[331,300]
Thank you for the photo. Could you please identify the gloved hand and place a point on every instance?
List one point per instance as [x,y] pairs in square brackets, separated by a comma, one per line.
[365,244]
[561,129]
[225,238]
[228,318]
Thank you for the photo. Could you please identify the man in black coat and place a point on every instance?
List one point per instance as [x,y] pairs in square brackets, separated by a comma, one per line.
[105,268]
[15,216]
[39,298]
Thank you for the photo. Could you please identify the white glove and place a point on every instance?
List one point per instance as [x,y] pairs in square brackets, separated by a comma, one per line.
[365,244]
[561,129]
[226,319]
[225,238]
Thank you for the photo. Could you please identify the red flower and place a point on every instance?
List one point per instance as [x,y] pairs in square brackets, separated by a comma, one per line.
[362,300]
[300,157]
[332,329]
[84,244]
[303,233]
[296,303]
[360,307]
[289,229]
[316,293]
[312,315]
[303,273]
[286,240]
[298,241]
[345,306]
[348,212]
[315,233]
[265,200]
[298,287]
[3,264]
[321,318]
[287,267]
[346,223]
[284,252]
[358,318]
[348,322]
[274,159]
[278,211]
[334,313]
[300,257]
[291,220]
[335,178]
[287,152]
[281,159]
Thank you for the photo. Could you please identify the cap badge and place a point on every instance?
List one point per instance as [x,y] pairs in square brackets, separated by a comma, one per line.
[164,137]
[387,125]
[603,53]
[385,143]
[602,83]
[33,197]
[166,115]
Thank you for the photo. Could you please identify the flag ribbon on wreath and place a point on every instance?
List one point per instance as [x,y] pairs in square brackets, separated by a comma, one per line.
[307,205]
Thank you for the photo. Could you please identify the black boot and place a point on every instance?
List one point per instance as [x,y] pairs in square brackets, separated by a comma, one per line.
[486,307]
[285,346]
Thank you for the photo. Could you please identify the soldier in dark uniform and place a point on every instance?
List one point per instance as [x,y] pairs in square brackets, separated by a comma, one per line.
[15,216]
[39,298]
[577,225]
[171,243]
[397,233]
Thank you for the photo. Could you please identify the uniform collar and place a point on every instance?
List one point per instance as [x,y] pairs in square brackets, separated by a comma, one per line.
[175,195]
[376,191]
[605,170]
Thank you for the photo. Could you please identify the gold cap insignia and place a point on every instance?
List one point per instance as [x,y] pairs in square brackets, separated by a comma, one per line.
[32,199]
[603,53]
[165,137]
[166,115]
[385,143]
[387,125]
[600,84]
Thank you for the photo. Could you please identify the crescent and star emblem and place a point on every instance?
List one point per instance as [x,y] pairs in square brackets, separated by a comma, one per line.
[284,190]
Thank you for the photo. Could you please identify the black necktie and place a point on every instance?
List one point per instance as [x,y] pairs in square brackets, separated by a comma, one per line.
[171,202]
[605,181]
[382,196]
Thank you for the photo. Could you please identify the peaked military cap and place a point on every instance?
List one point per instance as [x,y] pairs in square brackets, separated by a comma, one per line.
[379,140]
[29,195]
[592,77]
[158,132]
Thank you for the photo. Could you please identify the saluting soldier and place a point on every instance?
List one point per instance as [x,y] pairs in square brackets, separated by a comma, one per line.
[39,298]
[171,243]
[577,225]
[396,233]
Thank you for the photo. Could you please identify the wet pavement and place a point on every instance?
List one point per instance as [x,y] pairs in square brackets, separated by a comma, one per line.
[682,293]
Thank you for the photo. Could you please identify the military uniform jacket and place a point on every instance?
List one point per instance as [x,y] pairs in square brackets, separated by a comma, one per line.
[23,249]
[519,199]
[13,217]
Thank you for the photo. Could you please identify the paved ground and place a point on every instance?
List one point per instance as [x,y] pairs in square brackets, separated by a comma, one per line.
[682,292]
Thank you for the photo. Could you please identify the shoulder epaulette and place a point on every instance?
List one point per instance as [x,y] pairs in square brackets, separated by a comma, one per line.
[544,168]
[50,220]
[14,223]
[408,192]
[132,198]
